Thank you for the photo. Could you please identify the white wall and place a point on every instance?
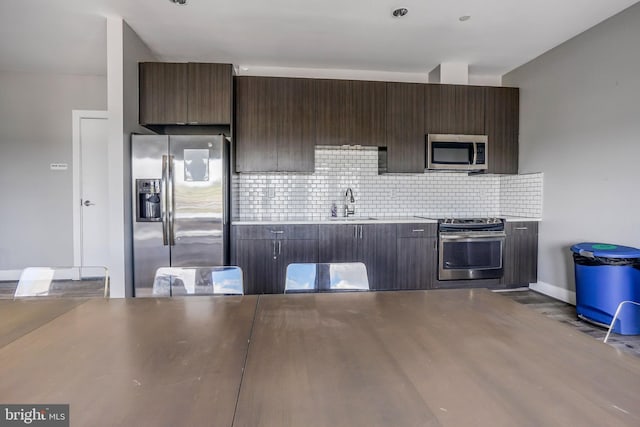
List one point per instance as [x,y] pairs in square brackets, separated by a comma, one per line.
[580,125]
[124,50]
[36,226]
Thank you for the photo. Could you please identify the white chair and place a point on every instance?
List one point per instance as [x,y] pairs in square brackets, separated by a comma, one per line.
[174,281]
[326,277]
[615,316]
[63,282]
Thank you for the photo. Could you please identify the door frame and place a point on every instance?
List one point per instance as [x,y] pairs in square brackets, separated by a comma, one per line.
[76,119]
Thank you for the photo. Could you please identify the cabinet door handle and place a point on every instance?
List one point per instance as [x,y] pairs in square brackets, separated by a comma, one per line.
[418,230]
[355,231]
[522,228]
[279,247]
[274,249]
[361,232]
[276,231]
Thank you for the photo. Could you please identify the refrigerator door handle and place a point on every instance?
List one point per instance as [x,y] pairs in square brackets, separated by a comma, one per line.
[163,201]
[171,203]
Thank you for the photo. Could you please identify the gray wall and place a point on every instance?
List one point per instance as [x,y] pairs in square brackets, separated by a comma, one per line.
[580,125]
[36,225]
[134,50]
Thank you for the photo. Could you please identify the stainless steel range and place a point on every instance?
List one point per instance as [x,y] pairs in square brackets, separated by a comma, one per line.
[470,248]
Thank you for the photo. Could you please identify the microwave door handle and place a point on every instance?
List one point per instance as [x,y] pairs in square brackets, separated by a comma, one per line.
[475,153]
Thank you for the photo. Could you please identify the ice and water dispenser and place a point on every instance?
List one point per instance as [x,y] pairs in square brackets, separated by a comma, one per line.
[148,208]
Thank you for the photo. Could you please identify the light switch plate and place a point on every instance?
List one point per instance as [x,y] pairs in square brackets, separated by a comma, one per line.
[58,166]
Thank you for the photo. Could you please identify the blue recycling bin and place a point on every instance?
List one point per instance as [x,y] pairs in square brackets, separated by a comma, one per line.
[606,275]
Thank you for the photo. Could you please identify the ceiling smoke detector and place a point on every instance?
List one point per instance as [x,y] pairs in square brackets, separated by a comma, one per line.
[400,12]
[180,2]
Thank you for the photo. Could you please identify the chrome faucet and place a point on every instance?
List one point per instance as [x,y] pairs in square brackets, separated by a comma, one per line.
[349,201]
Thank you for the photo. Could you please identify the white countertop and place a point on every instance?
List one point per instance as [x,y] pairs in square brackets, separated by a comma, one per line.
[357,220]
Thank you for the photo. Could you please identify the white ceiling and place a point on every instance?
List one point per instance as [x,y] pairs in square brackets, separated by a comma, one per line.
[69,36]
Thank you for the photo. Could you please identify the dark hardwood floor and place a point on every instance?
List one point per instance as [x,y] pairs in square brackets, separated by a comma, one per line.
[566,313]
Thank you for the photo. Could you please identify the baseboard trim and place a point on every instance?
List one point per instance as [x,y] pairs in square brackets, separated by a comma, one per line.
[554,292]
[10,275]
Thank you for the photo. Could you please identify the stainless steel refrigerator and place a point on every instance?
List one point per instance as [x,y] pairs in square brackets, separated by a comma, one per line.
[180,204]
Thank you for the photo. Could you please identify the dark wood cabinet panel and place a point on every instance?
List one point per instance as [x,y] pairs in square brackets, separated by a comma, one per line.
[521,253]
[339,243]
[257,259]
[502,127]
[264,260]
[274,124]
[377,248]
[368,113]
[417,230]
[162,93]
[185,93]
[256,131]
[333,112]
[405,139]
[296,125]
[371,244]
[416,263]
[454,109]
[210,93]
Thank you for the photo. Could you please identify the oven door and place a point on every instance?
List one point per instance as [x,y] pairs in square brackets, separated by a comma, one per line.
[470,255]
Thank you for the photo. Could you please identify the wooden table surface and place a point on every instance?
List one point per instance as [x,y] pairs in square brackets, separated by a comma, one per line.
[135,362]
[450,358]
[454,358]
[22,316]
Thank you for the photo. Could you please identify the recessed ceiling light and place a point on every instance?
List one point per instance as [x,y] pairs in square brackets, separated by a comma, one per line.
[464,18]
[400,12]
[180,2]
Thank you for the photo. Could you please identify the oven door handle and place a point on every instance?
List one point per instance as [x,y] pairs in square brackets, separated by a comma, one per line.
[472,236]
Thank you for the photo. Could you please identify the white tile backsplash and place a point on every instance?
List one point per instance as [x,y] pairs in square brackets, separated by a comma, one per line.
[434,194]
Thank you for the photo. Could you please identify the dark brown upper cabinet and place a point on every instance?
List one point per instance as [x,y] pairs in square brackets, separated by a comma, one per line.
[405,116]
[350,112]
[333,112]
[210,97]
[275,124]
[455,109]
[368,113]
[502,127]
[181,93]
[163,93]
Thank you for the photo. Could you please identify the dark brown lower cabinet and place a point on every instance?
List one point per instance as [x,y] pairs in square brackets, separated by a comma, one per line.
[521,253]
[416,256]
[371,244]
[259,266]
[264,256]
[378,249]
[416,265]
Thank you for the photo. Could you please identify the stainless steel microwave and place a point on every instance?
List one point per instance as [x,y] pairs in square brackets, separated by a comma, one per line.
[457,152]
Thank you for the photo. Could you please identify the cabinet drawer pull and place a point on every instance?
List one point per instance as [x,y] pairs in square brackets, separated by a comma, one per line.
[522,228]
[418,230]
[276,231]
